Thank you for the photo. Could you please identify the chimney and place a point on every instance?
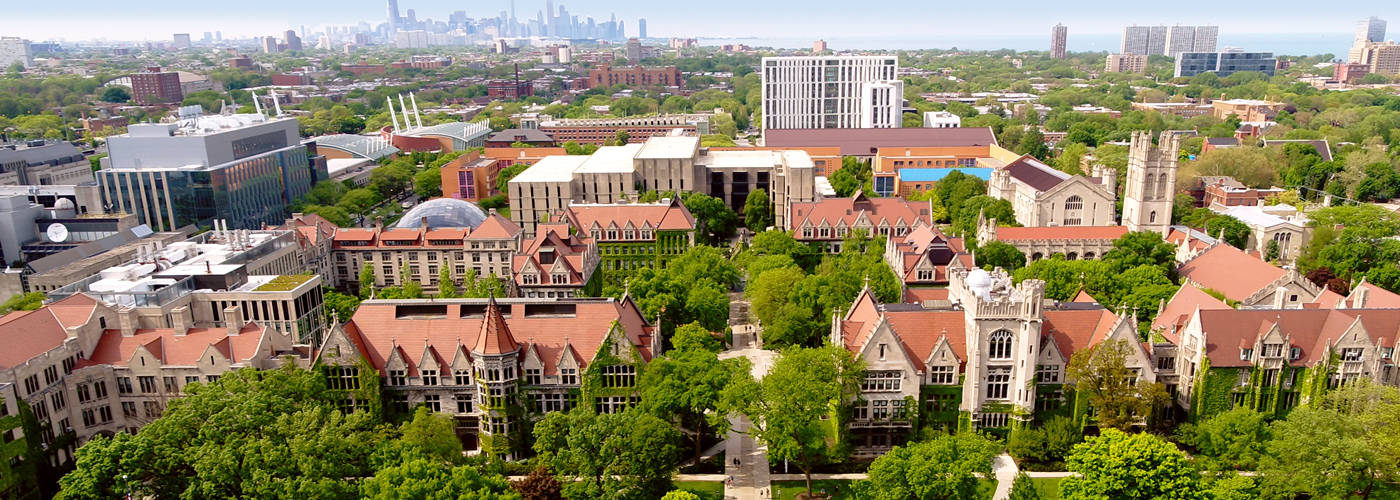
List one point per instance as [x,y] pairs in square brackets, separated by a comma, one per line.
[1359,296]
[233,317]
[1280,297]
[180,320]
[126,320]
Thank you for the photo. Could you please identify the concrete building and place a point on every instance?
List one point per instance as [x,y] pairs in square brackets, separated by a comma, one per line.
[1189,64]
[941,119]
[1144,40]
[1370,30]
[154,86]
[1382,58]
[56,163]
[635,76]
[181,41]
[806,92]
[1058,37]
[1125,63]
[634,50]
[246,168]
[15,50]
[1168,40]
[457,237]
[615,173]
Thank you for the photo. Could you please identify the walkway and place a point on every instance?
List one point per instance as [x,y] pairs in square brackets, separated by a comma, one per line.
[751,474]
[1004,468]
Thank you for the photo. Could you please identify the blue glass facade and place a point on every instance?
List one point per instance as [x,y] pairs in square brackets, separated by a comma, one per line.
[248,192]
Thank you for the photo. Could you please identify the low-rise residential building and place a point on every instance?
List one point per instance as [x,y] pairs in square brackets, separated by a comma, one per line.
[634,235]
[823,224]
[925,256]
[494,365]
[557,263]
[1125,63]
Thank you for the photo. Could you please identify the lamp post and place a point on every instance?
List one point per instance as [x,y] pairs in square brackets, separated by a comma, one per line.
[127,484]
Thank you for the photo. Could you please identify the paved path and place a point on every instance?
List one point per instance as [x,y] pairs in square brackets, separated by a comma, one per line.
[1004,468]
[751,478]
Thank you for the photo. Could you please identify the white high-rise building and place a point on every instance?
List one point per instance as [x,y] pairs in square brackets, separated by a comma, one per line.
[15,50]
[1181,39]
[1371,30]
[1206,39]
[1169,40]
[806,92]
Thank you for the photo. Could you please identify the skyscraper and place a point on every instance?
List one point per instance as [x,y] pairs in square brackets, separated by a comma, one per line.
[1164,40]
[1058,36]
[1368,31]
[393,16]
[641,28]
[807,92]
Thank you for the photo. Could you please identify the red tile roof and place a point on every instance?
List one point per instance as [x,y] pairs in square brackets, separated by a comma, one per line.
[866,141]
[1076,329]
[1184,303]
[495,227]
[495,337]
[377,331]
[179,350]
[671,216]
[918,295]
[1060,233]
[26,334]
[925,240]
[570,249]
[1230,271]
[1312,331]
[889,212]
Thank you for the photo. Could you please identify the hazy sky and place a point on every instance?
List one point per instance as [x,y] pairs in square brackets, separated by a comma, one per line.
[157,19]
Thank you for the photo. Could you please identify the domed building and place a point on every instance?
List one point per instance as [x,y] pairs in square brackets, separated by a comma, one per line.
[443,212]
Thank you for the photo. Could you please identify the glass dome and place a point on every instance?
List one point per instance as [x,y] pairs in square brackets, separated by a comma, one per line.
[443,212]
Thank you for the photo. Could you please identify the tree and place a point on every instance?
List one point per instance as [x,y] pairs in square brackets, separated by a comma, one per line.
[715,220]
[1023,488]
[23,302]
[1234,439]
[1129,467]
[432,434]
[430,480]
[1141,248]
[446,288]
[1342,448]
[1236,232]
[1033,143]
[1120,401]
[680,495]
[340,305]
[1364,242]
[1000,254]
[366,281]
[539,485]
[758,211]
[116,94]
[620,455]
[789,405]
[965,222]
[684,387]
[506,174]
[945,467]
[694,337]
[428,183]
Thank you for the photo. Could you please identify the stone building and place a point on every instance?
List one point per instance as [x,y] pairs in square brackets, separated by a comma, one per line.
[1150,187]
[634,235]
[483,246]
[557,263]
[1043,196]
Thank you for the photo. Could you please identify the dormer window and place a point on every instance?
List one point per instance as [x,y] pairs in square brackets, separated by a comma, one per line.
[1273,350]
[1351,354]
[941,375]
[462,377]
[646,234]
[1295,353]
[1387,352]
[612,234]
[629,234]
[1246,354]
[568,376]
[806,232]
[398,377]
[430,377]
[532,376]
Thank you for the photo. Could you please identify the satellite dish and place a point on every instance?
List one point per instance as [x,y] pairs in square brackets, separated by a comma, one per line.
[57,233]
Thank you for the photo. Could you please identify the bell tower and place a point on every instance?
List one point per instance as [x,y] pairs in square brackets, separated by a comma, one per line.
[1151,182]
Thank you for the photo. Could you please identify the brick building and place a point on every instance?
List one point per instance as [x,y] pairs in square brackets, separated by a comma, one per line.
[154,86]
[635,76]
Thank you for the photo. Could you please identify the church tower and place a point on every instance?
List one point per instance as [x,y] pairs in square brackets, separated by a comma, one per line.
[1151,182]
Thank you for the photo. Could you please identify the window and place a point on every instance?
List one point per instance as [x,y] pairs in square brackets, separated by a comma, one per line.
[1387,352]
[462,377]
[343,378]
[941,375]
[190,379]
[1351,354]
[211,378]
[1295,353]
[1273,350]
[990,420]
[568,376]
[399,401]
[151,408]
[942,402]
[148,384]
[99,389]
[551,402]
[1000,347]
[433,401]
[31,384]
[430,377]
[998,383]
[615,404]
[1245,354]
[84,393]
[128,409]
[124,385]
[1166,363]
[619,376]
[58,400]
[50,375]
[1049,401]
[925,275]
[464,402]
[1270,377]
[1243,378]
[89,418]
[879,410]
[882,381]
[1047,374]
[170,385]
[532,376]
[398,377]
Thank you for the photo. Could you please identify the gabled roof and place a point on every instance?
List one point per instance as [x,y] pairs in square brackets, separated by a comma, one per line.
[1312,331]
[1230,271]
[669,215]
[26,334]
[495,337]
[1034,173]
[568,250]
[1324,149]
[178,350]
[1076,329]
[1185,302]
[378,328]
[881,212]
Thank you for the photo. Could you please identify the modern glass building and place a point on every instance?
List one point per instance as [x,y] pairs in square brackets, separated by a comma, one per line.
[170,175]
[1225,63]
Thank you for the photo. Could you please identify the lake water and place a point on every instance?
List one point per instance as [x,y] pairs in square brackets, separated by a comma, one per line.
[1280,44]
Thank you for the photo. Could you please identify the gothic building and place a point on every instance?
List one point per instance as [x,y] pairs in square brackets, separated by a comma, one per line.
[1043,196]
[1151,182]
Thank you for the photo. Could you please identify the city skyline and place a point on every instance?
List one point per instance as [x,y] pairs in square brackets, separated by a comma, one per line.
[1098,17]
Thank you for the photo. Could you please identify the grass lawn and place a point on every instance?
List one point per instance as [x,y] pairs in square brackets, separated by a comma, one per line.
[706,490]
[1048,487]
[788,490]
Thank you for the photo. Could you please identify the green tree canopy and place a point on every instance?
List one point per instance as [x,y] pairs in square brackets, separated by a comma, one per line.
[620,455]
[945,467]
[1130,467]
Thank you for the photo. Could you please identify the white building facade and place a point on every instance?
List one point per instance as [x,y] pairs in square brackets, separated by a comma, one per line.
[806,92]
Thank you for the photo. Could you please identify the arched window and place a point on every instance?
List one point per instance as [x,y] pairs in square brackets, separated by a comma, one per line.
[1149,186]
[1072,256]
[1152,217]
[1074,203]
[1162,186]
[1088,255]
[1000,347]
[1037,256]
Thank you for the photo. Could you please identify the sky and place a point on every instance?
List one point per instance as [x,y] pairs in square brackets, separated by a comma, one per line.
[158,19]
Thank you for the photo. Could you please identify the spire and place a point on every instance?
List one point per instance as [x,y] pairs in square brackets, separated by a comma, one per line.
[495,337]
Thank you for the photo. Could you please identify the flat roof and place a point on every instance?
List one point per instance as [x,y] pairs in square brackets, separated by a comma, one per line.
[669,147]
[739,159]
[937,174]
[551,169]
[865,141]
[611,160]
